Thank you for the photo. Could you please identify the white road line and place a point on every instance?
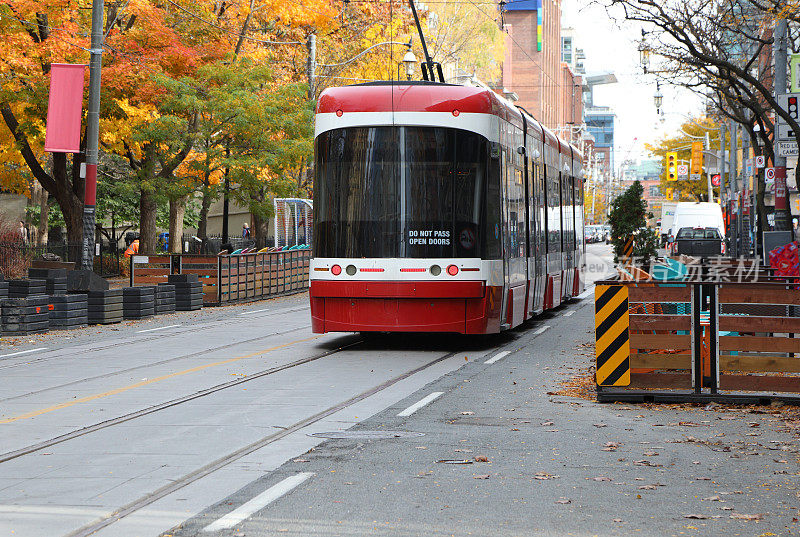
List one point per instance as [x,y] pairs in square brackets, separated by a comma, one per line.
[496,357]
[159,328]
[253,311]
[586,293]
[541,330]
[419,404]
[22,352]
[568,313]
[259,502]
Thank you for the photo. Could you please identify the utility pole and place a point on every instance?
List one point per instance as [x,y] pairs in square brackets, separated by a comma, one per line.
[92,136]
[737,187]
[707,145]
[782,221]
[723,182]
[311,64]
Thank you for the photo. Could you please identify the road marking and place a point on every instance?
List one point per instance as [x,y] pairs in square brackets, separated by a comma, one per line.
[568,313]
[589,291]
[23,352]
[259,502]
[159,328]
[254,311]
[116,391]
[541,330]
[419,404]
[496,357]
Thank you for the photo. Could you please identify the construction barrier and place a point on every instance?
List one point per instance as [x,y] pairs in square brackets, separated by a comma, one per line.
[229,278]
[699,341]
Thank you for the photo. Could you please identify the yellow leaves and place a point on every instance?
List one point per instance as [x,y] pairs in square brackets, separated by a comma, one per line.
[141,113]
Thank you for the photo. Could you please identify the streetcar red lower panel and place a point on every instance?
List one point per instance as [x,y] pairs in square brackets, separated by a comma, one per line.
[462,307]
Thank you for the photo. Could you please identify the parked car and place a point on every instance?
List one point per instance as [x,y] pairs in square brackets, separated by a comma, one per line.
[699,242]
[695,215]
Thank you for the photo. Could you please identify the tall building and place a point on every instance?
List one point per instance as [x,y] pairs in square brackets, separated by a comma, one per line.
[533,70]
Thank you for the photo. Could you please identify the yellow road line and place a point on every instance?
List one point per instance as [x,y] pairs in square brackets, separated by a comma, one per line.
[88,398]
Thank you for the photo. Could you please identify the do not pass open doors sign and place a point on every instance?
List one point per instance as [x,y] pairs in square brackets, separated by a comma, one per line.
[64,108]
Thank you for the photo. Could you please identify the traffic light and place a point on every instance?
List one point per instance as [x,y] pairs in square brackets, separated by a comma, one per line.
[672,166]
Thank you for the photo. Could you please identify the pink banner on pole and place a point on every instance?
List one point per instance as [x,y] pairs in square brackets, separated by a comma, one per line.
[65,108]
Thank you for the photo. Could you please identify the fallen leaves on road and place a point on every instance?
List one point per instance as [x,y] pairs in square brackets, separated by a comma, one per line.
[712,499]
[599,478]
[547,423]
[481,458]
[645,462]
[564,501]
[742,516]
[482,476]
[467,413]
[542,476]
[454,461]
[598,425]
[611,446]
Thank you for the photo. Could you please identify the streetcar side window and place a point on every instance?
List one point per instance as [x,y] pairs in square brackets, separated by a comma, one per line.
[493,204]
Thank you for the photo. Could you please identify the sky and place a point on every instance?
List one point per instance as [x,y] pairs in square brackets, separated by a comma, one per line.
[611,45]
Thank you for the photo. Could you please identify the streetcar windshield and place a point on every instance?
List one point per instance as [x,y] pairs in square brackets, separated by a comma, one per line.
[401,192]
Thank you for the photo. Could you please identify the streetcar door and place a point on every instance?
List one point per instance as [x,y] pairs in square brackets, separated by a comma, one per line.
[506,236]
[540,251]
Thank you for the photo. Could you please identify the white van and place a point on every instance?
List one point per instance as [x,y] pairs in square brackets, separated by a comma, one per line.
[698,214]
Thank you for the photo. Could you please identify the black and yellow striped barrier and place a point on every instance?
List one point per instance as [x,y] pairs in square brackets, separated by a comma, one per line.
[627,250]
[611,335]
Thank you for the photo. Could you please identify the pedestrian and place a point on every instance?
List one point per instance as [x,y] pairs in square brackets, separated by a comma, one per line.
[245,231]
[23,232]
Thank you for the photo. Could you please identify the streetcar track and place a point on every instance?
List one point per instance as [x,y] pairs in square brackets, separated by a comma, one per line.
[135,340]
[223,461]
[5,457]
[182,357]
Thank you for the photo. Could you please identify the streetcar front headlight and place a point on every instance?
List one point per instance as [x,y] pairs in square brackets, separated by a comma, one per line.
[350,270]
[436,270]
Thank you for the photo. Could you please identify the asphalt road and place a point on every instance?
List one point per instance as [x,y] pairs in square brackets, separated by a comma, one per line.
[204,426]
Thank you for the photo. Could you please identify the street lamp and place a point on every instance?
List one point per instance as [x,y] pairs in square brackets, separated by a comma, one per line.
[644,54]
[658,98]
[410,61]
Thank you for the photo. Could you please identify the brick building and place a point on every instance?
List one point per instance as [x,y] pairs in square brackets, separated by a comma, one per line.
[533,69]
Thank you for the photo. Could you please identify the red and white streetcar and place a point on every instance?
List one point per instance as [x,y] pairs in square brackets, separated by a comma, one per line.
[439,208]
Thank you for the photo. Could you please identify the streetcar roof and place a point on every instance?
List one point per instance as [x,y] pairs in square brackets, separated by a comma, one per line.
[425,96]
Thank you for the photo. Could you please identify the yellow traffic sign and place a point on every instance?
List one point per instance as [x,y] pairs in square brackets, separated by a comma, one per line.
[697,158]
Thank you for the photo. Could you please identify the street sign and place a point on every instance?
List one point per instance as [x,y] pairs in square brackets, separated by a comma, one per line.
[683,170]
[794,62]
[715,179]
[748,167]
[769,177]
[791,103]
[760,161]
[788,149]
[696,176]
[785,132]
[696,160]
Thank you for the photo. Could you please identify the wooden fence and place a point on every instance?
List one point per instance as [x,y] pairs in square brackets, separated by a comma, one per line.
[698,341]
[230,278]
